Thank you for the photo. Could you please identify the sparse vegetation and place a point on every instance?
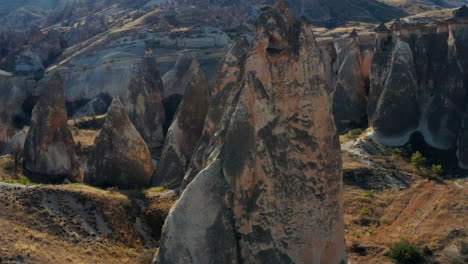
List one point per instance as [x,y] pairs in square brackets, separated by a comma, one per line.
[372,232]
[405,252]
[156,189]
[400,152]
[369,194]
[23,180]
[352,134]
[147,256]
[418,161]
[364,211]
[8,165]
[357,235]
[436,171]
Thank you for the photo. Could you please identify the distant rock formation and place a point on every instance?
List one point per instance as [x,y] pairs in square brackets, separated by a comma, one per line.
[143,102]
[16,144]
[418,83]
[186,129]
[49,150]
[349,94]
[272,190]
[120,156]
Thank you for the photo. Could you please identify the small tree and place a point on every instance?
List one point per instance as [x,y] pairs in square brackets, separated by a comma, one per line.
[405,252]
[437,171]
[418,160]
[17,154]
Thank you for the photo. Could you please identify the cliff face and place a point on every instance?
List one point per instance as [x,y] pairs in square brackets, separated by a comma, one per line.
[272,189]
[419,83]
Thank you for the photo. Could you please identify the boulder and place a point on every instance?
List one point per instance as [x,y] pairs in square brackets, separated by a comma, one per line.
[120,156]
[186,129]
[49,150]
[272,189]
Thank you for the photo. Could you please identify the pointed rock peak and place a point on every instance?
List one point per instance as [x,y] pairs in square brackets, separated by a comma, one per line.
[381,28]
[353,34]
[120,156]
[279,24]
[183,62]
[462,12]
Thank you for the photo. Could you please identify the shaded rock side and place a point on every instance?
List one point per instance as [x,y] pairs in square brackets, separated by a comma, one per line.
[349,96]
[143,102]
[49,150]
[120,156]
[393,106]
[225,92]
[186,129]
[277,193]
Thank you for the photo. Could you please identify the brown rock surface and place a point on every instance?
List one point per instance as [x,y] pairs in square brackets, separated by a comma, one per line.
[143,102]
[120,156]
[49,150]
[186,129]
[272,191]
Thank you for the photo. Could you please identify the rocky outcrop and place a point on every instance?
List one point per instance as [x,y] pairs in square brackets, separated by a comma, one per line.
[186,129]
[120,156]
[49,150]
[349,94]
[272,189]
[418,83]
[143,102]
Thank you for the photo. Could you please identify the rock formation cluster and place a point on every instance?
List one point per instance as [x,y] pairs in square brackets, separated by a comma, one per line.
[271,190]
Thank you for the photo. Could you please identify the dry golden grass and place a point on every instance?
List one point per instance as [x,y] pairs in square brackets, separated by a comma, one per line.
[85,137]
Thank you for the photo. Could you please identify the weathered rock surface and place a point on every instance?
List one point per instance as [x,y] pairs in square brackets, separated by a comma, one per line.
[49,150]
[418,83]
[349,94]
[120,156]
[186,129]
[272,191]
[16,144]
[143,102]
[223,98]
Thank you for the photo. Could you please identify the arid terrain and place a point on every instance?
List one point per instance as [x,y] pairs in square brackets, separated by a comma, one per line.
[250,131]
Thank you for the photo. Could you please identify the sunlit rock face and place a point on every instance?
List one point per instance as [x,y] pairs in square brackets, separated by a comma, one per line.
[271,190]
[49,150]
[186,129]
[120,156]
[419,83]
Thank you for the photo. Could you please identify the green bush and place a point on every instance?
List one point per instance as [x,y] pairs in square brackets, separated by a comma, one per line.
[405,252]
[400,152]
[364,211]
[372,232]
[22,180]
[437,171]
[369,194]
[418,161]
[8,165]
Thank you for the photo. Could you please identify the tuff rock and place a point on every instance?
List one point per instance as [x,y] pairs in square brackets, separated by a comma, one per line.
[272,190]
[49,149]
[186,129]
[120,156]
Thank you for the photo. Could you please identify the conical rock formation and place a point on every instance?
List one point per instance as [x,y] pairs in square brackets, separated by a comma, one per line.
[120,156]
[49,150]
[272,190]
[186,129]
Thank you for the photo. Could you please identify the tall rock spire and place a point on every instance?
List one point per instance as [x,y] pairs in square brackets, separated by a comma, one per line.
[272,190]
